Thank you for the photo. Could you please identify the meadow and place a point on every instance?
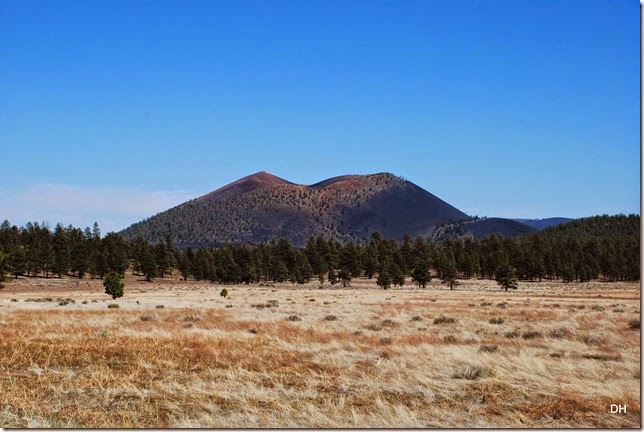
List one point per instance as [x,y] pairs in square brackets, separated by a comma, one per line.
[178,354]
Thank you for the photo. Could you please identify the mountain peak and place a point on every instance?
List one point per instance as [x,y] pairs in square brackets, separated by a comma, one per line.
[246,184]
[262,206]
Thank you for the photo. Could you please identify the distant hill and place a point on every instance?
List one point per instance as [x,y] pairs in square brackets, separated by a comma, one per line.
[603,226]
[480,228]
[544,223]
[262,206]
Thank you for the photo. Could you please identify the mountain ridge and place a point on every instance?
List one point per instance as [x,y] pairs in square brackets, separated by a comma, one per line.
[262,206]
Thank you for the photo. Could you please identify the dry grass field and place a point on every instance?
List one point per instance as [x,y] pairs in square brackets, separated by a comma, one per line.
[177,354]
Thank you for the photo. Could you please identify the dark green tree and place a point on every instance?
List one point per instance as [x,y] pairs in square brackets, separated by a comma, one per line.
[421,274]
[149,265]
[114,285]
[384,279]
[506,276]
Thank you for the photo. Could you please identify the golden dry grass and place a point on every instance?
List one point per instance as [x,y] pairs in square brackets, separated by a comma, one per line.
[560,357]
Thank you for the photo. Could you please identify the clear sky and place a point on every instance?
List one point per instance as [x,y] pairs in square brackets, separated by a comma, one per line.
[112,111]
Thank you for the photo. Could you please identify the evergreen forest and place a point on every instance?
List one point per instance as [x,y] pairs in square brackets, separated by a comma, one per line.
[605,248]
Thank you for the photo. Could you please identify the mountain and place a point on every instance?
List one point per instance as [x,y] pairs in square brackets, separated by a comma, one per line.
[544,223]
[481,227]
[263,206]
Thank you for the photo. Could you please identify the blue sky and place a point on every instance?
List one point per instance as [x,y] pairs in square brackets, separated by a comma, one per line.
[115,110]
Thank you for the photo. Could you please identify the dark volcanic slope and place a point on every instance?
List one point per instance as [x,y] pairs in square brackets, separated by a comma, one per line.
[262,206]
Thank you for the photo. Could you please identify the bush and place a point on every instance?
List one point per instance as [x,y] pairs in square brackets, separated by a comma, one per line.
[330,318]
[65,302]
[112,306]
[224,293]
[512,334]
[498,320]
[488,348]
[449,339]
[591,339]
[114,285]
[472,372]
[531,334]
[417,318]
[294,318]
[559,333]
[160,306]
[634,324]
[444,320]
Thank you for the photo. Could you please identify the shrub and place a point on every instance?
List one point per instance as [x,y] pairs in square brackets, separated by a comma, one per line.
[486,304]
[114,285]
[417,318]
[65,302]
[330,318]
[294,318]
[252,330]
[112,306]
[228,306]
[160,306]
[598,308]
[472,372]
[444,320]
[14,300]
[531,334]
[389,323]
[634,324]
[591,339]
[385,340]
[449,339]
[224,293]
[488,348]
[496,320]
[146,318]
[512,334]
[559,333]
[374,327]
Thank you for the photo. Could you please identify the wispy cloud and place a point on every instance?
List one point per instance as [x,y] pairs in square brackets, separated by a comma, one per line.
[113,208]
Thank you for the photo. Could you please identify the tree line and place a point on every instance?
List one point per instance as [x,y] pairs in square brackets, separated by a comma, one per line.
[598,248]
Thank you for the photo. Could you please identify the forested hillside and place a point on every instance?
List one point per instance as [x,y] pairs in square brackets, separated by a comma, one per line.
[597,248]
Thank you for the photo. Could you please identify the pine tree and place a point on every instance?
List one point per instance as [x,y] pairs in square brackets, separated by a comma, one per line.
[384,279]
[506,276]
[149,265]
[345,276]
[114,285]
[421,274]
[60,243]
[449,271]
